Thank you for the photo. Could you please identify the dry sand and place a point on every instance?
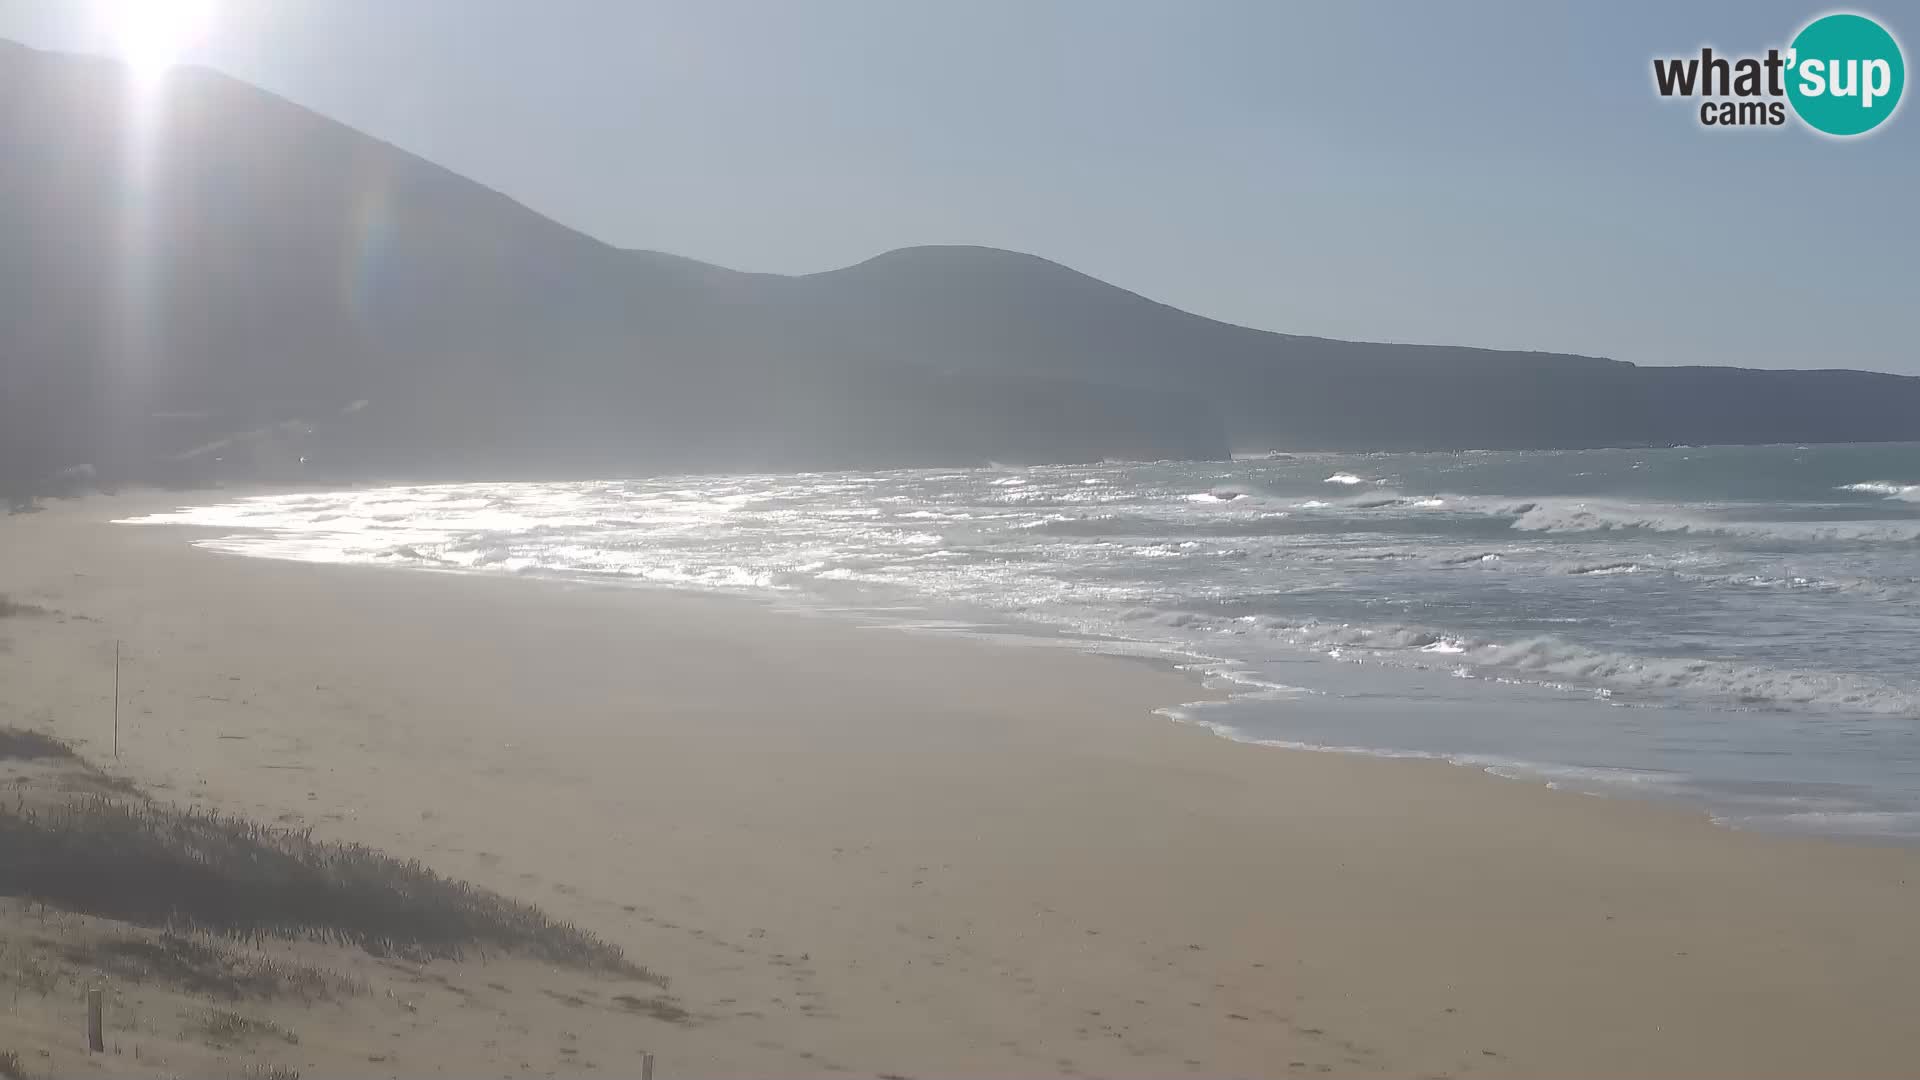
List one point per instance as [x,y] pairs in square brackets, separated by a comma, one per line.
[866,851]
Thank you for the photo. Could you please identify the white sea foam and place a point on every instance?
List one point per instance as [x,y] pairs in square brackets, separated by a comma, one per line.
[1590,779]
[1570,516]
[1554,661]
[1607,570]
[1480,557]
[1242,679]
[1902,492]
[1888,824]
[1734,683]
[1584,777]
[1794,606]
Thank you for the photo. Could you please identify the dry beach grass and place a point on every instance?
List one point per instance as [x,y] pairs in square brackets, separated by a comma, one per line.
[218,939]
[154,865]
[861,852]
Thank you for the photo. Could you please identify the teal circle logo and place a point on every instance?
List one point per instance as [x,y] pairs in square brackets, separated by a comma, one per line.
[1845,74]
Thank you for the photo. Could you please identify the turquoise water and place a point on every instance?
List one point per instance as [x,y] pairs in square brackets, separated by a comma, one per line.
[1733,626]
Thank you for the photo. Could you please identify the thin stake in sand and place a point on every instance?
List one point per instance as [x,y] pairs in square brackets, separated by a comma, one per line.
[95,1042]
[116,699]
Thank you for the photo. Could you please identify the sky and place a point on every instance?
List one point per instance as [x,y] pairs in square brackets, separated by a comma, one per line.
[1493,173]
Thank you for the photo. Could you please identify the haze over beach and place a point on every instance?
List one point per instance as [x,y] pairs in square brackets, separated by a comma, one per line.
[953,540]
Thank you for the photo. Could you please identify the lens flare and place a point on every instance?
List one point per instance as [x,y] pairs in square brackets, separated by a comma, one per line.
[151,35]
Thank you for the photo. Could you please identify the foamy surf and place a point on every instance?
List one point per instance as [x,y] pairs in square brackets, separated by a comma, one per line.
[1759,587]
[1903,492]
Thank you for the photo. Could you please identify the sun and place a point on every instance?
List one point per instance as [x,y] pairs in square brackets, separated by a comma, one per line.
[151,35]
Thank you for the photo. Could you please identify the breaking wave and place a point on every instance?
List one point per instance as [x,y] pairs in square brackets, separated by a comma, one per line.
[1763,588]
[1566,664]
[1902,492]
[1567,516]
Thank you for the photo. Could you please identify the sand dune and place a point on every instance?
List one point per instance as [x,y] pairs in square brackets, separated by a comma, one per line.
[872,852]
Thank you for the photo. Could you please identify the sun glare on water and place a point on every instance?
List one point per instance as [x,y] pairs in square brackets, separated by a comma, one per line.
[151,35]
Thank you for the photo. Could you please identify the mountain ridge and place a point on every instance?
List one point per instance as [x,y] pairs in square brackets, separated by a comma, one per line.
[257,269]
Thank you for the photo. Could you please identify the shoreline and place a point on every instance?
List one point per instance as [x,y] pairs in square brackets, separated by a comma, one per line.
[986,858]
[1221,683]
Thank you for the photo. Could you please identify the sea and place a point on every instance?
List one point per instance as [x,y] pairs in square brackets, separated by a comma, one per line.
[1736,628]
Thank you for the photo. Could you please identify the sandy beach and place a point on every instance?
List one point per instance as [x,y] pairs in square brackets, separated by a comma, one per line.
[862,851]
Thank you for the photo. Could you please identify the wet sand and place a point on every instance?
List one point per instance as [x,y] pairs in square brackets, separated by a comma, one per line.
[865,851]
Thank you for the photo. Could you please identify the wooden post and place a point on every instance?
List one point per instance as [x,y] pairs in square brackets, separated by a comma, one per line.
[646,1067]
[116,699]
[95,1043]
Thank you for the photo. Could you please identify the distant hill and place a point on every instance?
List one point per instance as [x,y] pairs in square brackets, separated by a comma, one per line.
[241,287]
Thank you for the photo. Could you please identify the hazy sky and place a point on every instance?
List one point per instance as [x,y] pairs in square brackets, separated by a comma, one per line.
[1492,174]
